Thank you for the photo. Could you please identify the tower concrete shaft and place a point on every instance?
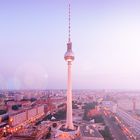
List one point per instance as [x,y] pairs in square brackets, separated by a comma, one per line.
[69,57]
[69,121]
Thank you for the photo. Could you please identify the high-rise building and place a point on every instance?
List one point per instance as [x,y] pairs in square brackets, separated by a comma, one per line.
[69,57]
[134,105]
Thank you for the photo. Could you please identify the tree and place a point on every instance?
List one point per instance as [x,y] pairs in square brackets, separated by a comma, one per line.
[33,99]
[48,135]
[106,133]
[2,112]
[54,125]
[98,119]
[60,115]
[74,106]
[15,107]
[87,107]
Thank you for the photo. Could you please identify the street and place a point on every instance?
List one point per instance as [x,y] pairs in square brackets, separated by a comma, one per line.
[115,130]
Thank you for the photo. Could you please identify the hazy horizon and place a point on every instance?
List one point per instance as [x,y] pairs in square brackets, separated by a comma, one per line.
[105,37]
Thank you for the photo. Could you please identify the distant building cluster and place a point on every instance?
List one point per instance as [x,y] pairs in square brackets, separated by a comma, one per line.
[31,113]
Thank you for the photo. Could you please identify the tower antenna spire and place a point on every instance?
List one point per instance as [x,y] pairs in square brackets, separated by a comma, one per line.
[69,40]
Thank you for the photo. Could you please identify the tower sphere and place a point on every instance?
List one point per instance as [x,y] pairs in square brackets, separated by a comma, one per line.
[69,55]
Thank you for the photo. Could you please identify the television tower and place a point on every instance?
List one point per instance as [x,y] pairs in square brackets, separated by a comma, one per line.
[69,57]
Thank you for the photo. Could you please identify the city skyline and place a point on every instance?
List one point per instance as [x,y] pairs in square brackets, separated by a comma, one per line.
[105,40]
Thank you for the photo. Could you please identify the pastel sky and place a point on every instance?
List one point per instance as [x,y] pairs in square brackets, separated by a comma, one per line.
[105,37]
